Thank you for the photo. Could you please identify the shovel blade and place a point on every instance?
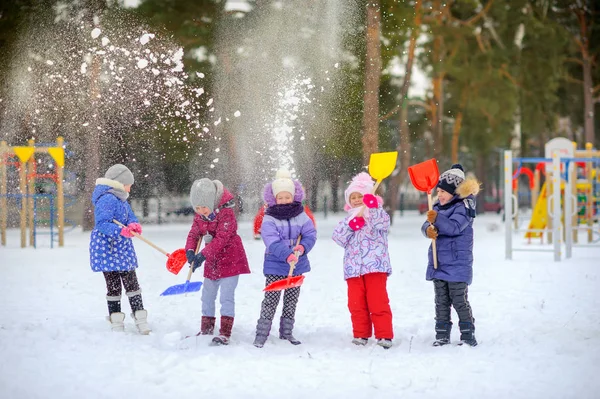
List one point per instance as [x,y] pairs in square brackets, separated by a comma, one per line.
[285,284]
[176,261]
[382,164]
[182,288]
[424,176]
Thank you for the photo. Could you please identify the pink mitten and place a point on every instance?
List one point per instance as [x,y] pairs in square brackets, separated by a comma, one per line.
[126,232]
[135,227]
[370,201]
[300,249]
[291,258]
[357,223]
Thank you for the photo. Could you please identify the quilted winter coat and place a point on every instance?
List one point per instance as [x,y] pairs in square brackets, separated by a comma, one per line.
[365,250]
[454,223]
[109,250]
[225,254]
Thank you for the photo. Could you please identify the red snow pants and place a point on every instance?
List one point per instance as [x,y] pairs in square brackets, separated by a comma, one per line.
[369,306]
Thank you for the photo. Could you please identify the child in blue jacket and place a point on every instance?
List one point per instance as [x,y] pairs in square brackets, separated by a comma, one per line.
[111,249]
[450,223]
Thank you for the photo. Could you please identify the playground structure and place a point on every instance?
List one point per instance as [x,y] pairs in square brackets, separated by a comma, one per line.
[24,160]
[567,202]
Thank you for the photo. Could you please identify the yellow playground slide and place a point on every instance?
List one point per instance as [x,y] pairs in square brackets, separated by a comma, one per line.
[539,217]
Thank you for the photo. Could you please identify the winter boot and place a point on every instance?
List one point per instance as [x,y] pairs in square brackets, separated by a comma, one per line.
[207,325]
[360,341]
[116,321]
[385,343]
[224,331]
[467,333]
[141,322]
[263,328]
[285,330]
[442,333]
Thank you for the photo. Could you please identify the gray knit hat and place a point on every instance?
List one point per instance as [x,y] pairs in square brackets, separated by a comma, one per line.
[120,173]
[452,178]
[204,193]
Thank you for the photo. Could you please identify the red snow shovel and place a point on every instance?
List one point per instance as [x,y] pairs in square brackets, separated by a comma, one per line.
[424,176]
[289,282]
[187,286]
[176,259]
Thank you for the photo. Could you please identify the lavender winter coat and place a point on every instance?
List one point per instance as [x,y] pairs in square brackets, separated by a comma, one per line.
[109,250]
[280,237]
[365,250]
[454,223]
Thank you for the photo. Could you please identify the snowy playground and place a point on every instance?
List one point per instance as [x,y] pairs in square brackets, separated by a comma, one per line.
[537,325]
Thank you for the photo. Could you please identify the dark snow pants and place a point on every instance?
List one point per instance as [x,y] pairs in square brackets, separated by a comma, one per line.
[452,294]
[113,290]
[269,304]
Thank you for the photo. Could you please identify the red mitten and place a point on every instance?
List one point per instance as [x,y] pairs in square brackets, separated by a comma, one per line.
[291,258]
[300,249]
[357,223]
[126,232]
[135,227]
[370,201]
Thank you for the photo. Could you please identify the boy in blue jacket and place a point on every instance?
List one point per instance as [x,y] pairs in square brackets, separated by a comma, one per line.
[111,249]
[450,223]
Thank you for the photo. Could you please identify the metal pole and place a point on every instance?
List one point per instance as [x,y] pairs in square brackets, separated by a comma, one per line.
[3,191]
[60,195]
[568,197]
[556,207]
[508,203]
[31,171]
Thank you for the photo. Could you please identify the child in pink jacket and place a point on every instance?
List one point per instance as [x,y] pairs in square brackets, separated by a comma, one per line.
[366,262]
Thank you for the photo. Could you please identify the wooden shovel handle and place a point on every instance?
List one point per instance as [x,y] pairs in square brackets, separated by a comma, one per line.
[433,245]
[189,276]
[297,253]
[143,239]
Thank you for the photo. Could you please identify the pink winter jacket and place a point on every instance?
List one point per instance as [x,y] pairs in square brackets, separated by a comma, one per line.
[225,254]
[365,250]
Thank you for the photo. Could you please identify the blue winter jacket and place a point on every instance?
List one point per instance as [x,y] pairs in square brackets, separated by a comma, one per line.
[109,250]
[454,223]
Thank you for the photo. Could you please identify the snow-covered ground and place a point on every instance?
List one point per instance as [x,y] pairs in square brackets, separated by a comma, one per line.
[538,327]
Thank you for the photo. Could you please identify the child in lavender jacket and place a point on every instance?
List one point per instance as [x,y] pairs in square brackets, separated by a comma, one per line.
[284,221]
[366,262]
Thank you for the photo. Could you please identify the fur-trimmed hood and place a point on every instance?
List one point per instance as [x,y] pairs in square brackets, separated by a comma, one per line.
[470,186]
[269,197]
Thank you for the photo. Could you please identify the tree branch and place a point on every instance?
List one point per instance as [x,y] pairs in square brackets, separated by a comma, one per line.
[571,79]
[575,60]
[480,14]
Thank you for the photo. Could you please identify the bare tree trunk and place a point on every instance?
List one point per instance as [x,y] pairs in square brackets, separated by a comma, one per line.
[372,74]
[437,105]
[455,136]
[588,99]
[93,146]
[404,133]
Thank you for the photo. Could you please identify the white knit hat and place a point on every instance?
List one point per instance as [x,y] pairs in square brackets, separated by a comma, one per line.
[283,182]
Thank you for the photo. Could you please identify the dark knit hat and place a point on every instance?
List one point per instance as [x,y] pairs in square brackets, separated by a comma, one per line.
[120,173]
[451,179]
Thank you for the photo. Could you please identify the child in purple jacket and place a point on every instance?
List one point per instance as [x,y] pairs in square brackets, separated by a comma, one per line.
[284,221]
[450,223]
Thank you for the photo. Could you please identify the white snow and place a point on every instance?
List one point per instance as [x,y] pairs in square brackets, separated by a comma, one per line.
[105,41]
[237,113]
[142,63]
[538,327]
[96,33]
[145,38]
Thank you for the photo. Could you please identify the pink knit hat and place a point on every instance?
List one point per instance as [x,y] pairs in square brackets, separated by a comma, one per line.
[361,183]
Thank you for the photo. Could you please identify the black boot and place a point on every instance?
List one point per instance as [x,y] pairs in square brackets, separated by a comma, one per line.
[442,333]
[467,333]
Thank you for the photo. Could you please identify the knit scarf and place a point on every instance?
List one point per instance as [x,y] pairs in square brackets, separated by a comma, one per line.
[120,194]
[285,211]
